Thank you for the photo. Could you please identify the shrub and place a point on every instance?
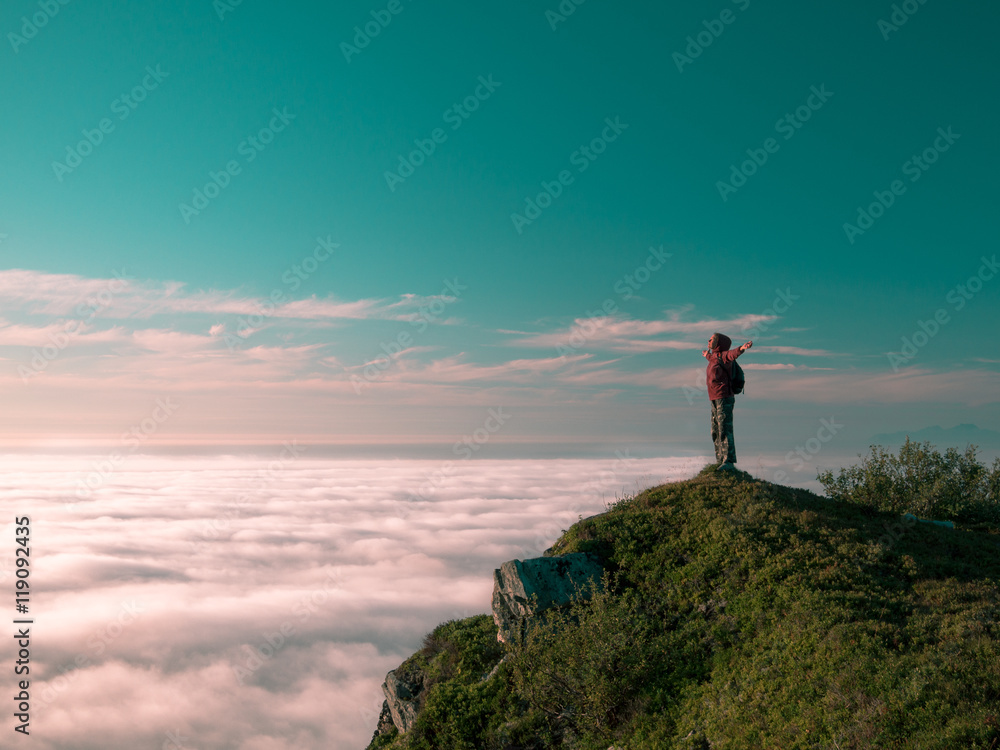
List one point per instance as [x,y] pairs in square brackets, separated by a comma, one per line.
[605,664]
[922,481]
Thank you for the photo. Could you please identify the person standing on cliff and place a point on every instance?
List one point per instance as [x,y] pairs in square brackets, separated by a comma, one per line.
[720,358]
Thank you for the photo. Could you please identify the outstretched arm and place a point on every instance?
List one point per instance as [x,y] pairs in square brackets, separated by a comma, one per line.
[732,354]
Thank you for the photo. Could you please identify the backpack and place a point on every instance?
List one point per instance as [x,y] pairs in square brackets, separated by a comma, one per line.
[737,380]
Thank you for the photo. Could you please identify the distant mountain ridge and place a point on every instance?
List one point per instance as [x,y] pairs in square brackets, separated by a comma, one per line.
[958,436]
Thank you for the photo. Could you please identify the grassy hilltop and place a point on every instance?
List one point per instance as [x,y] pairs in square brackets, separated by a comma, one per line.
[743,614]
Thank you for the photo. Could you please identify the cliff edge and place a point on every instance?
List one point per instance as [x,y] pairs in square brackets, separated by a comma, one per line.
[732,613]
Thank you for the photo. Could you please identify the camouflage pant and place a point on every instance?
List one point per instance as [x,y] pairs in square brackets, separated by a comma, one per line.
[722,429]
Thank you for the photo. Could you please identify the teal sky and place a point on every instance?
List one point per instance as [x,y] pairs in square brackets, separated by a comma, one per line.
[193,281]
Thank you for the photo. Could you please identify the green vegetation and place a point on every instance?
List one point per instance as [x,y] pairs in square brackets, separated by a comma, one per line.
[743,614]
[922,481]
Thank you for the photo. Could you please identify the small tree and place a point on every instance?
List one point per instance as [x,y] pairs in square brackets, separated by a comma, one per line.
[922,481]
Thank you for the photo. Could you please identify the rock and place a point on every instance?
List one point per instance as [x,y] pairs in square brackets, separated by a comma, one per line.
[403,698]
[522,589]
[496,668]
[385,724]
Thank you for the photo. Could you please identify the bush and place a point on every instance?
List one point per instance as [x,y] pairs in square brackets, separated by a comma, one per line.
[922,481]
[459,708]
[584,665]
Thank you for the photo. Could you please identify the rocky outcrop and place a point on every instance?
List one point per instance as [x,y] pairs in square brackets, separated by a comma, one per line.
[403,696]
[523,588]
[385,724]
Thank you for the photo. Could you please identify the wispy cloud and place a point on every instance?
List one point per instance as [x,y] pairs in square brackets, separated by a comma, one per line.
[617,333]
[794,351]
[457,369]
[781,366]
[25,334]
[120,297]
[968,387]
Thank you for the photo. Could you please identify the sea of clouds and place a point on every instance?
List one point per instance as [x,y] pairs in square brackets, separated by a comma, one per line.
[255,603]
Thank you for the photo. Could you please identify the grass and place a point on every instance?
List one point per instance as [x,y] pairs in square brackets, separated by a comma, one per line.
[739,614]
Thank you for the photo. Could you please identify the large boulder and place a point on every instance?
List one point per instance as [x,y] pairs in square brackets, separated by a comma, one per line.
[523,588]
[403,698]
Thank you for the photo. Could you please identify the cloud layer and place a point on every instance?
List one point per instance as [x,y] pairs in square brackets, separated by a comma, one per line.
[226,602]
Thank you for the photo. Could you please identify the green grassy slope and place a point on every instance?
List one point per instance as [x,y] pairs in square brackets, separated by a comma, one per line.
[740,614]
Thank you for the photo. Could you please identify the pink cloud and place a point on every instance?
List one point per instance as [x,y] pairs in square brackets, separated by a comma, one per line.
[968,387]
[616,333]
[68,295]
[22,334]
[794,350]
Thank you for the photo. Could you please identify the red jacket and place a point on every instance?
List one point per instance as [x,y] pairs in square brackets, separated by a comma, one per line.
[717,373]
